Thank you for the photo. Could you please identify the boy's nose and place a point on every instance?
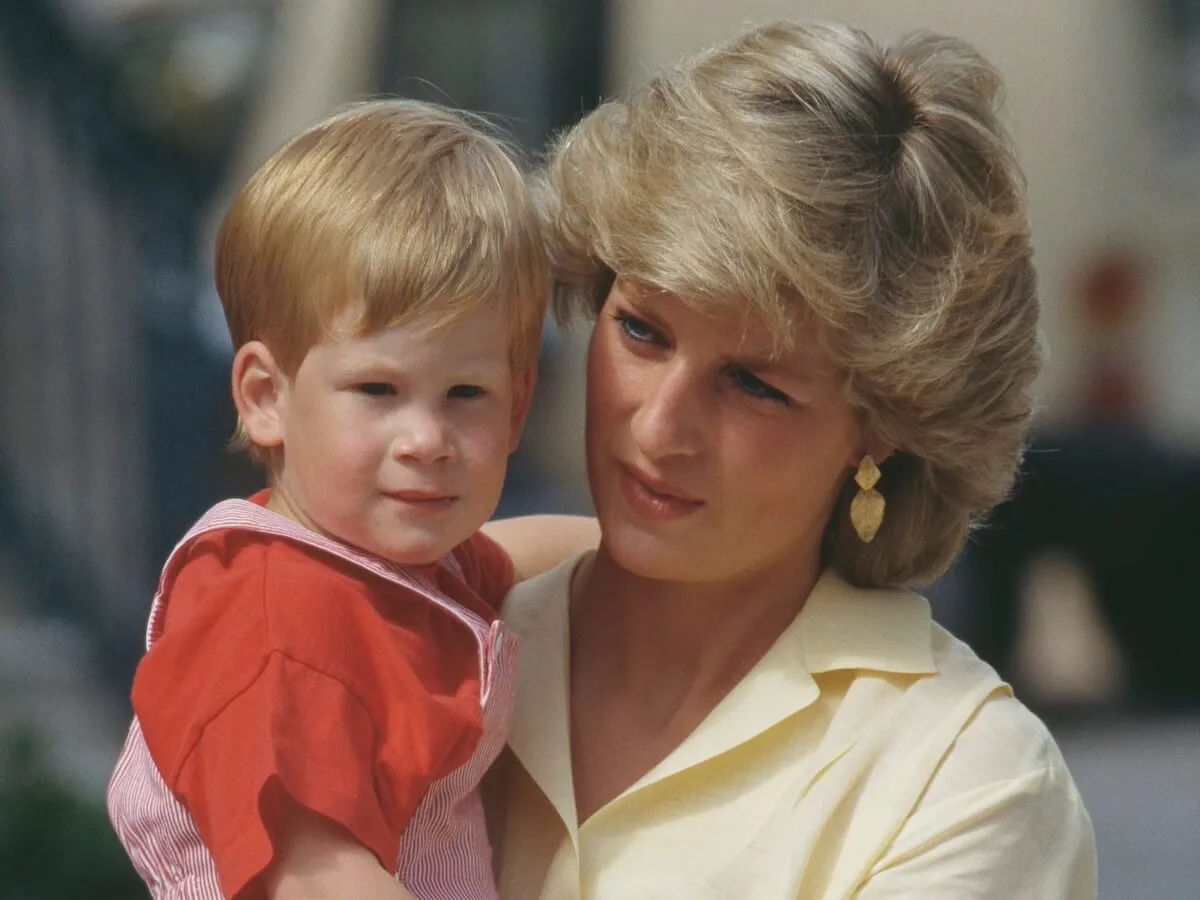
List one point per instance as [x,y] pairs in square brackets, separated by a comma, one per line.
[423,438]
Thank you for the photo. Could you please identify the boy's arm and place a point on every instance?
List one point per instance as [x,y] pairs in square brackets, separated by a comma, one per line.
[243,742]
[539,543]
[318,860]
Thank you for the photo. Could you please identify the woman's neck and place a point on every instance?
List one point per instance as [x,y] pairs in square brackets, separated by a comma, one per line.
[650,660]
[669,644]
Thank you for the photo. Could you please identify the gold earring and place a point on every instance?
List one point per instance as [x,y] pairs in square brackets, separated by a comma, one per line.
[866,509]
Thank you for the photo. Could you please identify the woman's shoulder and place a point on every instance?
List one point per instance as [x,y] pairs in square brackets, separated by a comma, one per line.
[545,596]
[982,799]
[1002,738]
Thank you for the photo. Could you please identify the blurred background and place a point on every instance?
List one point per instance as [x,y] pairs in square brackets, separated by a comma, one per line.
[125,126]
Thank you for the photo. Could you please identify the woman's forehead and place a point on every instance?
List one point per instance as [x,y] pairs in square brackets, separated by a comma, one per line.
[765,337]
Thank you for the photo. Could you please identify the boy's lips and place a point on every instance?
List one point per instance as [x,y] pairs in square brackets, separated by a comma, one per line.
[423,498]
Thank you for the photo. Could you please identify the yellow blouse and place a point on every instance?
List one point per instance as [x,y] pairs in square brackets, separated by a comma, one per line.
[868,754]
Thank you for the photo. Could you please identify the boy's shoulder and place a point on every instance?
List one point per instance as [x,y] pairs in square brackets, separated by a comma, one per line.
[240,540]
[235,553]
[244,561]
[311,605]
[253,576]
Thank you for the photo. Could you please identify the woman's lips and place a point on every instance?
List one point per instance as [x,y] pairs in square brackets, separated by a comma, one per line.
[653,498]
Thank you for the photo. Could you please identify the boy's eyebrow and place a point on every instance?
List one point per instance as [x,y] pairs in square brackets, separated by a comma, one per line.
[370,362]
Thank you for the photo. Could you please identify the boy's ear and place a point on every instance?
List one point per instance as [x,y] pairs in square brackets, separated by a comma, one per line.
[523,384]
[259,388]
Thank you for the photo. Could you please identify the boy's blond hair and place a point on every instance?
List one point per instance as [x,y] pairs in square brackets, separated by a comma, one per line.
[404,209]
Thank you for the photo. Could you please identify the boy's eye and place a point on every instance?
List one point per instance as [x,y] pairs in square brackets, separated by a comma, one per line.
[465,392]
[750,384]
[637,329]
[375,389]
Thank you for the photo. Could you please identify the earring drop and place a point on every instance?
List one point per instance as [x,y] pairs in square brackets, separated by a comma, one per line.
[866,509]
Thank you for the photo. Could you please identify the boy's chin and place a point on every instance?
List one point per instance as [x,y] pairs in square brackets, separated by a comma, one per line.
[416,547]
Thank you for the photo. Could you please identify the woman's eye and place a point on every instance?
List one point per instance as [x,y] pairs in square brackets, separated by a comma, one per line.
[465,392]
[754,386]
[375,389]
[637,329]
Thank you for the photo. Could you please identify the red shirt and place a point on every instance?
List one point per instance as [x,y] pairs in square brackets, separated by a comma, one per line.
[283,670]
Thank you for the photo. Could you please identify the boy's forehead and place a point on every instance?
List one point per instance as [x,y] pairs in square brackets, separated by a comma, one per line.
[460,332]
[352,324]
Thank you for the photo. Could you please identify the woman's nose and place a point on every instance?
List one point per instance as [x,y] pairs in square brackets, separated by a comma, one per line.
[422,436]
[669,421]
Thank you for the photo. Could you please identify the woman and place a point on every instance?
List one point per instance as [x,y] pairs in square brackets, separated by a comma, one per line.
[815,338]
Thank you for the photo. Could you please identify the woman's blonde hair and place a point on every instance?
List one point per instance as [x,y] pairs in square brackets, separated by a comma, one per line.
[808,171]
[401,209]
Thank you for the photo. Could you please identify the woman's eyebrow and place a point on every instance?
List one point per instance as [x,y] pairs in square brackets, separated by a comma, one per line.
[805,373]
[641,303]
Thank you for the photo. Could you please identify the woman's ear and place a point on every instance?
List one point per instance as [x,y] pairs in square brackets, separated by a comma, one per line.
[259,393]
[524,382]
[880,451]
[864,445]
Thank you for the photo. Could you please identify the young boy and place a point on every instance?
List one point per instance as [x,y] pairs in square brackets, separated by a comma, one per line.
[324,664]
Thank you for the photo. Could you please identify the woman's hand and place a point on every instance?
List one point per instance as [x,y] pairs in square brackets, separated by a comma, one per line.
[319,860]
[539,543]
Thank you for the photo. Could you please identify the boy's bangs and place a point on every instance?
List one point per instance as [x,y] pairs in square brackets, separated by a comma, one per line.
[441,272]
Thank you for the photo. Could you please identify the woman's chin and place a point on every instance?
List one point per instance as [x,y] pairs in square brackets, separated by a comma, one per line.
[650,556]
